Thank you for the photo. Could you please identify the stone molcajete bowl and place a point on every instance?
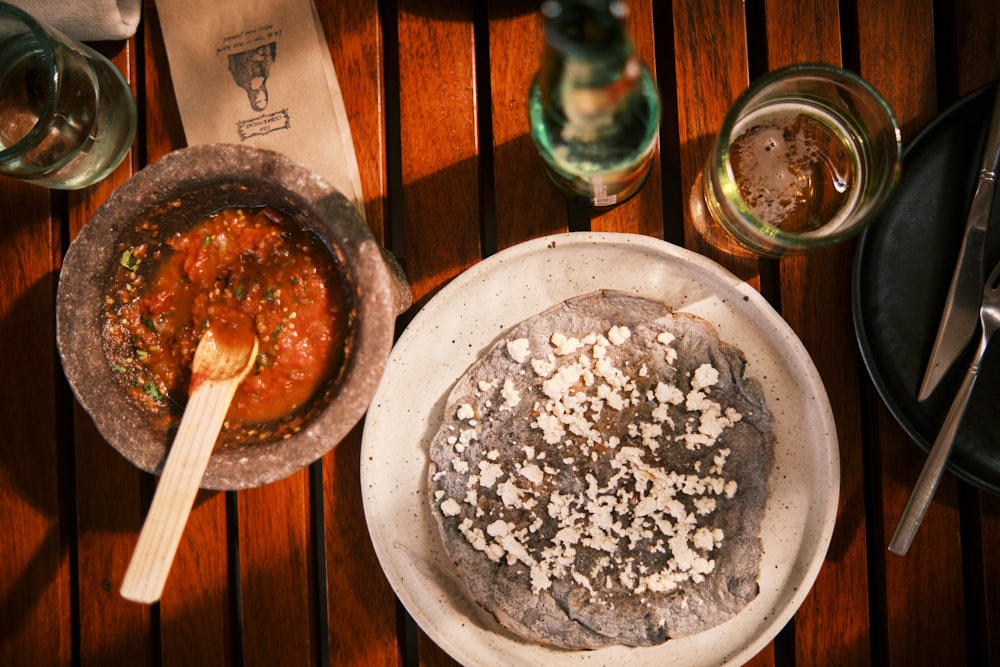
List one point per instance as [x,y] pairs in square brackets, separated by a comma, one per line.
[181,189]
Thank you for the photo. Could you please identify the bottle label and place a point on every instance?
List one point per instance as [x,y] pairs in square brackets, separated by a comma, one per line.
[600,195]
[609,189]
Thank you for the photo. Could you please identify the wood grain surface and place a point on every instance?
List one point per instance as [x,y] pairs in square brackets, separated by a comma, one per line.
[436,97]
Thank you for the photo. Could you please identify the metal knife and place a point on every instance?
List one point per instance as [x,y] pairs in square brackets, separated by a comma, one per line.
[961,309]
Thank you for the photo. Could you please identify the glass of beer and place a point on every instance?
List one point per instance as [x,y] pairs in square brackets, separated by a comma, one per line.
[67,115]
[807,156]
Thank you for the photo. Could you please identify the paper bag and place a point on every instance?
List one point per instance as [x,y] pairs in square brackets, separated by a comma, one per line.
[259,73]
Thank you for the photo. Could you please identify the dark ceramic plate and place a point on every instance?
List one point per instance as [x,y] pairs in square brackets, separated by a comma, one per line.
[901,277]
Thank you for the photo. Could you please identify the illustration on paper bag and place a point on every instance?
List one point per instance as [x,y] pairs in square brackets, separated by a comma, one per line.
[250,70]
[250,55]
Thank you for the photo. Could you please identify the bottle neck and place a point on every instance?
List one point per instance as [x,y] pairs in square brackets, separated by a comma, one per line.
[589,33]
[593,104]
[588,67]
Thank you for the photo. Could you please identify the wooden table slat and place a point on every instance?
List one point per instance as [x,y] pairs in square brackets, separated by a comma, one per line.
[278,598]
[895,38]
[196,609]
[706,86]
[353,32]
[34,584]
[989,583]
[527,203]
[362,609]
[111,496]
[439,143]
[821,315]
[110,509]
[161,129]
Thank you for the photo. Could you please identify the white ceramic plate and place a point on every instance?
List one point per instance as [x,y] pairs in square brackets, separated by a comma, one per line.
[460,322]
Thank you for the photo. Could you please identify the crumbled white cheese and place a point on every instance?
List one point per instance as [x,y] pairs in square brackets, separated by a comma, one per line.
[668,393]
[510,493]
[552,429]
[706,539]
[511,396]
[533,473]
[544,367]
[559,385]
[719,461]
[618,335]
[704,376]
[489,473]
[640,503]
[467,435]
[450,507]
[519,349]
[704,505]
[650,432]
[564,344]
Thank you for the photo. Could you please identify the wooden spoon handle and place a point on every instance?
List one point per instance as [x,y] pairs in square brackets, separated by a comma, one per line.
[182,474]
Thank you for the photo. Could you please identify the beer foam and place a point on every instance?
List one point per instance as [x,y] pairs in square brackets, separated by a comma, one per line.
[780,167]
[777,169]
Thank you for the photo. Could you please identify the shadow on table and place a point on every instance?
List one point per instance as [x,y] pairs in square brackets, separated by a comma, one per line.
[30,457]
[451,10]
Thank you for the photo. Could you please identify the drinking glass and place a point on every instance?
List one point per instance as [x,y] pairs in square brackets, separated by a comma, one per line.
[807,157]
[67,115]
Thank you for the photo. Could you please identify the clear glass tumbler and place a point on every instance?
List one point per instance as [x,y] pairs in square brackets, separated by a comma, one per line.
[807,156]
[67,115]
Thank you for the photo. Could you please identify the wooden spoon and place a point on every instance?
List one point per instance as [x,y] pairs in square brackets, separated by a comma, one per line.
[221,361]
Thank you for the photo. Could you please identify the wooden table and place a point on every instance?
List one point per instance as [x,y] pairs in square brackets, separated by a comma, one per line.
[436,90]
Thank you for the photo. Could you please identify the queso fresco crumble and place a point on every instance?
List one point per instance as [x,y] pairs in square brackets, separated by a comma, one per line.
[639,502]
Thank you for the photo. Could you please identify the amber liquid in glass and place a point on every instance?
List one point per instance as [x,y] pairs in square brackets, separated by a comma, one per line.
[798,167]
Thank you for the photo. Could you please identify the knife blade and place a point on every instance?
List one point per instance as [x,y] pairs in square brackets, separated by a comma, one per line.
[961,309]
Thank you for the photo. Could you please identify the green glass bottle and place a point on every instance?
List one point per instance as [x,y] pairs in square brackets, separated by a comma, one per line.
[593,105]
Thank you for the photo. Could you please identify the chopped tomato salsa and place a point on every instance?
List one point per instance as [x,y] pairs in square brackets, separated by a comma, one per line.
[239,268]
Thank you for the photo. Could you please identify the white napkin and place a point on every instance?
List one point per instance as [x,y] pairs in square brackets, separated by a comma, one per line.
[87,20]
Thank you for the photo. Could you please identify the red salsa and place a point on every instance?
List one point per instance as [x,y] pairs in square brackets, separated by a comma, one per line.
[256,268]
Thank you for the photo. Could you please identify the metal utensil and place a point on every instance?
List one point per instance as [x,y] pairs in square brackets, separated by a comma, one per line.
[958,323]
[927,482]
